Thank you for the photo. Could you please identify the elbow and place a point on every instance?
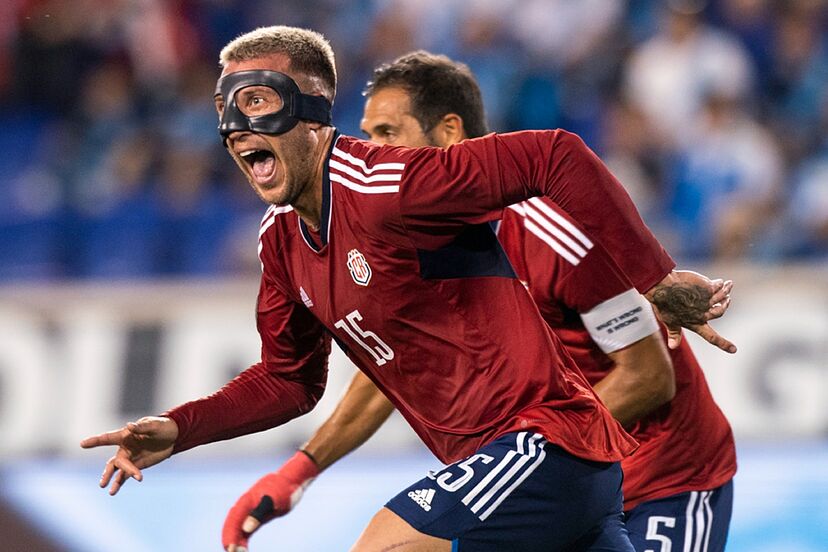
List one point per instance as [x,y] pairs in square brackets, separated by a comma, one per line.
[311,393]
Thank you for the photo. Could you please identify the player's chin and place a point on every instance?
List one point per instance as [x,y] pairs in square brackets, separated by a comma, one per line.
[277,193]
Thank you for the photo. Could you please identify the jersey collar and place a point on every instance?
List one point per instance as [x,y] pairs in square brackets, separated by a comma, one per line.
[325,217]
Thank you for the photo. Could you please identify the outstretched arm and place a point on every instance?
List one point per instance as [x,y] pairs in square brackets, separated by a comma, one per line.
[287,382]
[360,413]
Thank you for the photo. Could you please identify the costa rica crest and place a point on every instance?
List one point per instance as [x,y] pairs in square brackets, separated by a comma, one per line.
[359,267]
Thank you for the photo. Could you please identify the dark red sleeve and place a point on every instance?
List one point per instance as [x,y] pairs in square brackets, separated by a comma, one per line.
[473,181]
[287,383]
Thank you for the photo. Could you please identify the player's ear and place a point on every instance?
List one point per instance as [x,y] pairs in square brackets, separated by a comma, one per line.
[451,129]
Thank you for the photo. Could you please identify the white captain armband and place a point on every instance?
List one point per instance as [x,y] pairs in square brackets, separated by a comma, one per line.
[620,321]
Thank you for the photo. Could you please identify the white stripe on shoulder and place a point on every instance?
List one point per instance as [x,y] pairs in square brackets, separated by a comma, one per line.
[385,177]
[561,221]
[270,217]
[559,234]
[390,189]
[268,213]
[283,209]
[265,226]
[360,163]
[518,208]
[551,242]
[274,210]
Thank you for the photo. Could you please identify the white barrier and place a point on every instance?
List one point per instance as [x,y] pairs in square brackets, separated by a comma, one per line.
[76,360]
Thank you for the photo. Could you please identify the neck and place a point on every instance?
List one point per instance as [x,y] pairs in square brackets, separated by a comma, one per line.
[309,206]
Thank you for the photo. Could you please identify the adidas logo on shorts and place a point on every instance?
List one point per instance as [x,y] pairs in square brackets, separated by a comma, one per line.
[422,497]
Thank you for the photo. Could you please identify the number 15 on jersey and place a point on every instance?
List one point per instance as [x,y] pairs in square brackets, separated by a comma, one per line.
[367,339]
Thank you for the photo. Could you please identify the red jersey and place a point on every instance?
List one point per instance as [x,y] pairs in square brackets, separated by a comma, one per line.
[686,444]
[408,277]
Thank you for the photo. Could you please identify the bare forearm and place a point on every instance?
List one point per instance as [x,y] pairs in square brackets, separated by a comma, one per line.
[641,381]
[358,415]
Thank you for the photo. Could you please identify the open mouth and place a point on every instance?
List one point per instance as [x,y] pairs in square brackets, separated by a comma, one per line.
[262,163]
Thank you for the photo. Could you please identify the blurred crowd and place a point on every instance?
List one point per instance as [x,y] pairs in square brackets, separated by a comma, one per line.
[713,114]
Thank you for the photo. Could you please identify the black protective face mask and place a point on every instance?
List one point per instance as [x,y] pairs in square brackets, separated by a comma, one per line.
[295,106]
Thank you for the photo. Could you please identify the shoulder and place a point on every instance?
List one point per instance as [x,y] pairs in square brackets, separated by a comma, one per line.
[367,168]
[273,222]
[368,154]
[273,214]
[555,231]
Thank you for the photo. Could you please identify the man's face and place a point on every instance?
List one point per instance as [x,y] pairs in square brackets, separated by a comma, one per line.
[387,119]
[280,168]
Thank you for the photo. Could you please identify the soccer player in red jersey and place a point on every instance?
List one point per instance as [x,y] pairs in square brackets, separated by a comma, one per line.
[677,485]
[389,251]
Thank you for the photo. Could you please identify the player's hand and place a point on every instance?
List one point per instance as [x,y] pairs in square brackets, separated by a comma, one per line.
[141,444]
[272,496]
[686,299]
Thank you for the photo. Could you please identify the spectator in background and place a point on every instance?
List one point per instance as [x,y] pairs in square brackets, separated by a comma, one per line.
[631,77]
[798,80]
[635,157]
[669,75]
[488,49]
[806,225]
[117,213]
[728,179]
[809,208]
[572,51]
[752,22]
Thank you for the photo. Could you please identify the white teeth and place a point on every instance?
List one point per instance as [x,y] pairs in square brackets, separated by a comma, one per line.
[246,153]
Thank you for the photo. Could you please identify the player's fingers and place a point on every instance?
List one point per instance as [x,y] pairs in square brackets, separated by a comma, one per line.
[109,469]
[147,425]
[140,427]
[711,336]
[250,524]
[728,287]
[232,537]
[261,513]
[722,293]
[128,468]
[117,482]
[673,338]
[108,438]
[716,311]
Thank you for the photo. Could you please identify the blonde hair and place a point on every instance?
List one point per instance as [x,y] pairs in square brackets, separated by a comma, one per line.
[309,52]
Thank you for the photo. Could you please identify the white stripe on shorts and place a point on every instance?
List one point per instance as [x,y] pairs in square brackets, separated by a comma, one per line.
[496,494]
[514,485]
[698,522]
[688,527]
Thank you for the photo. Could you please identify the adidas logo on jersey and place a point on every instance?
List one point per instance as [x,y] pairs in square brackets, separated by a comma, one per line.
[422,497]
[305,299]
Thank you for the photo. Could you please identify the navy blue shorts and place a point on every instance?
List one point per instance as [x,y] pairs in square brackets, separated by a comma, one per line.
[696,521]
[518,493]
